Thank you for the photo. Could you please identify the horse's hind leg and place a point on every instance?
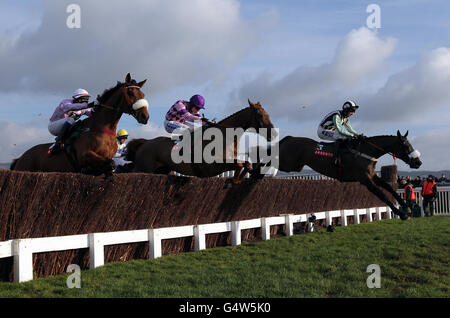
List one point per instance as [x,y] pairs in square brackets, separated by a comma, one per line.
[372,187]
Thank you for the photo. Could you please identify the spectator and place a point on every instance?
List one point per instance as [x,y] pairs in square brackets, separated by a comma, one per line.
[443,178]
[417,182]
[409,195]
[429,194]
[400,181]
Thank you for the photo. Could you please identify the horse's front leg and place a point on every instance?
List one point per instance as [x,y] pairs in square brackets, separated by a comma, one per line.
[98,164]
[380,182]
[237,173]
[372,187]
[240,171]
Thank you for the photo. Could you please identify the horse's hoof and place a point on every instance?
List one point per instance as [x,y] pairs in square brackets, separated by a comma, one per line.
[330,228]
[404,216]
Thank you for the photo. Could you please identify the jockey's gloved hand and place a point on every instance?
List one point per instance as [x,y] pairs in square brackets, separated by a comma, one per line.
[206,120]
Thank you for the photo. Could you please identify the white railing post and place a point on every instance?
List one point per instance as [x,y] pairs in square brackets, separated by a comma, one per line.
[369,215]
[154,243]
[23,261]
[265,229]
[343,218]
[235,233]
[378,213]
[356,216]
[289,224]
[329,219]
[199,238]
[388,213]
[96,251]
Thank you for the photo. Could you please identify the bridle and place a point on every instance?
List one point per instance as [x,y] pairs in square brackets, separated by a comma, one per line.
[117,109]
[140,103]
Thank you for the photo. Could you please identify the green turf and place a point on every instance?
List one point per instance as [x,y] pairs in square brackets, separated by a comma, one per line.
[413,257]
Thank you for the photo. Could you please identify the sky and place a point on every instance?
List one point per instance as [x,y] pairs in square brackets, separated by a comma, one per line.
[300,59]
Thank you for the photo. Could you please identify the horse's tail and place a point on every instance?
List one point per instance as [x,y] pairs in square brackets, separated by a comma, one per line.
[13,164]
[132,147]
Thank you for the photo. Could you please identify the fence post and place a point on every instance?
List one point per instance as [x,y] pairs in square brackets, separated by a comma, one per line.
[154,243]
[356,216]
[328,218]
[200,239]
[289,224]
[96,251]
[369,215]
[343,218]
[388,213]
[23,261]
[235,233]
[265,229]
[378,213]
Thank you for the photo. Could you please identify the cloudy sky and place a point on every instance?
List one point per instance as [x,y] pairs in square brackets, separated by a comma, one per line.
[300,59]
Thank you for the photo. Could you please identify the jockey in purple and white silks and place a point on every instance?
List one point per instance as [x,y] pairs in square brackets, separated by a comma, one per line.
[183,114]
[66,113]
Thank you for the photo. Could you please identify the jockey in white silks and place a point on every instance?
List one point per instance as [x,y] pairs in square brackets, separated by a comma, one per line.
[336,127]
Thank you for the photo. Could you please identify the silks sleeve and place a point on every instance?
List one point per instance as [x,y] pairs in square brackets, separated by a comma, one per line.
[338,125]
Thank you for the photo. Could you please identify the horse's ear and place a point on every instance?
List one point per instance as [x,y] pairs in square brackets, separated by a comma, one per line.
[250,103]
[399,135]
[140,84]
[406,133]
[128,78]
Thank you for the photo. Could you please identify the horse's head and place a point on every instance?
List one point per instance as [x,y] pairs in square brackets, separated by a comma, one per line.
[127,98]
[406,152]
[259,118]
[135,103]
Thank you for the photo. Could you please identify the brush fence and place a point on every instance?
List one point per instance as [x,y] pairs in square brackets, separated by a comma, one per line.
[23,249]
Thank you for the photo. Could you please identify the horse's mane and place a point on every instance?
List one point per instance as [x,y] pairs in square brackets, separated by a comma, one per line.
[110,91]
[235,114]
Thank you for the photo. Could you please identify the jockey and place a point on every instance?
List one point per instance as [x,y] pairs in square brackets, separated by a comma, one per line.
[122,136]
[336,126]
[65,115]
[118,158]
[183,114]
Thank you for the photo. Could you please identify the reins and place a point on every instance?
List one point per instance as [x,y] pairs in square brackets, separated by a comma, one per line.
[380,148]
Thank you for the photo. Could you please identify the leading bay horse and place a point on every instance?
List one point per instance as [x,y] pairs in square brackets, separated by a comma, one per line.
[155,155]
[92,152]
[357,164]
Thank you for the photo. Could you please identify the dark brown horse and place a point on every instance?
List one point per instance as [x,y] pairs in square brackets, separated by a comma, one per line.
[92,152]
[357,163]
[155,155]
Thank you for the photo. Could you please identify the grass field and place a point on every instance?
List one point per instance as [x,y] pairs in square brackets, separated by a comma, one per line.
[413,256]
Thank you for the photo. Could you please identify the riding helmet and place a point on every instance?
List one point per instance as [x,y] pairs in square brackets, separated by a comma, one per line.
[350,106]
[79,93]
[122,133]
[198,101]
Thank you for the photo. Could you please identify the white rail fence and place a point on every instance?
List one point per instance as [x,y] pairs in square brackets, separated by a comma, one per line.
[23,249]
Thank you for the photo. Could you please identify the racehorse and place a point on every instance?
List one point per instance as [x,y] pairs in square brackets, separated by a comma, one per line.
[357,163]
[155,155]
[92,152]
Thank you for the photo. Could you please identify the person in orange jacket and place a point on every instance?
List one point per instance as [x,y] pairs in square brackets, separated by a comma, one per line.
[408,195]
[429,194]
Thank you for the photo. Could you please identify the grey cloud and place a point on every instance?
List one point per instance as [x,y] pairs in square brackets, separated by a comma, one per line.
[413,92]
[170,42]
[358,55]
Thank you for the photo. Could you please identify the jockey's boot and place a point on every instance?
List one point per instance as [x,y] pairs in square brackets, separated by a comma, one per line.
[60,138]
[337,153]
